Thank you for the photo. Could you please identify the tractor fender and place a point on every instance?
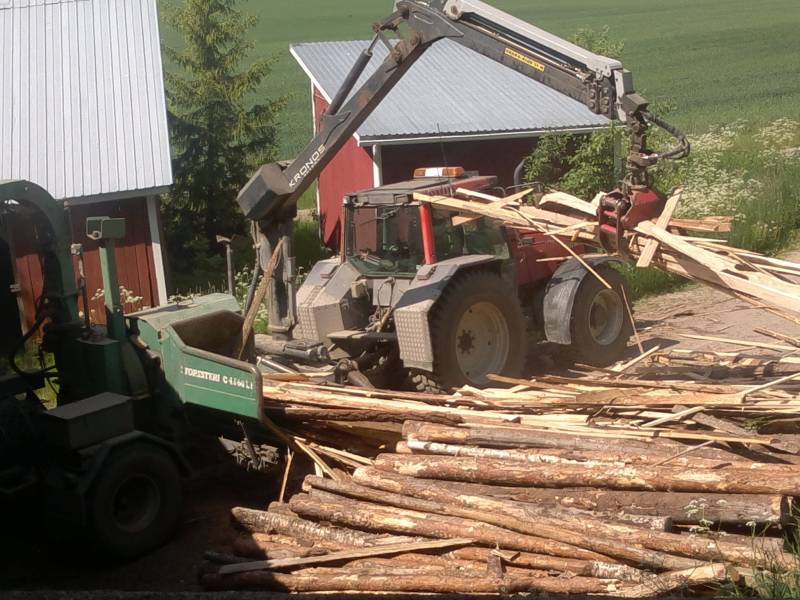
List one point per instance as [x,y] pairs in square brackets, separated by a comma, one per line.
[412,309]
[100,453]
[66,493]
[560,294]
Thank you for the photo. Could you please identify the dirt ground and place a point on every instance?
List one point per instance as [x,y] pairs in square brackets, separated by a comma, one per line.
[27,562]
[700,310]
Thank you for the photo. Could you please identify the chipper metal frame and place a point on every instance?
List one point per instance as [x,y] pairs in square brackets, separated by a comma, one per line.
[110,456]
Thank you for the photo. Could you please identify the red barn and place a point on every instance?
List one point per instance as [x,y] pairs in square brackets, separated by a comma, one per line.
[454,107]
[83,115]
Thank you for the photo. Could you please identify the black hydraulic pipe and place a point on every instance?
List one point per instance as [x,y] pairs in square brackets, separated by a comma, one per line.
[682,149]
[351,79]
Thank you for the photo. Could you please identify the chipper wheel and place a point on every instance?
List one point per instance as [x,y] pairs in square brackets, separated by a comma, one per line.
[600,325]
[135,502]
[477,328]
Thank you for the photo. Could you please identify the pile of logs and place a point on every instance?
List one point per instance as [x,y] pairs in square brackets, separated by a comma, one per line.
[677,470]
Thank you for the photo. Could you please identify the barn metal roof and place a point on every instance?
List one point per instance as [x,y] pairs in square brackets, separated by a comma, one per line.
[451,91]
[82,108]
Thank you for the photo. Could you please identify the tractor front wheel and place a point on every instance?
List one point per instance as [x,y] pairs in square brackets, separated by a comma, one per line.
[600,326]
[478,329]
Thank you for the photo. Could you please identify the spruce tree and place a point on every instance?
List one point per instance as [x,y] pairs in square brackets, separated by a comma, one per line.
[219,136]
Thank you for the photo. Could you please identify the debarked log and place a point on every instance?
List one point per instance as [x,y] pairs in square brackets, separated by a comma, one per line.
[684,508]
[554,455]
[521,437]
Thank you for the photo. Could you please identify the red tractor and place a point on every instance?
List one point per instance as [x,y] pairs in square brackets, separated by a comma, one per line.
[449,299]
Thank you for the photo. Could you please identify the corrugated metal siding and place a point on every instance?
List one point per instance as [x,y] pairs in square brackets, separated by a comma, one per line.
[82,107]
[449,90]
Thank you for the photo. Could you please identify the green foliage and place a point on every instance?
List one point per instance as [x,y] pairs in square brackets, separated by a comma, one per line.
[551,159]
[749,172]
[646,282]
[599,41]
[772,578]
[581,164]
[32,358]
[307,245]
[218,135]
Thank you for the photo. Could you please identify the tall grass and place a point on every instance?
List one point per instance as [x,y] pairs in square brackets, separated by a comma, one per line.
[773,579]
[747,171]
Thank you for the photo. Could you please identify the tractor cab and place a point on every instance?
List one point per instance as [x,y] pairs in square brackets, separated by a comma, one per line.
[388,233]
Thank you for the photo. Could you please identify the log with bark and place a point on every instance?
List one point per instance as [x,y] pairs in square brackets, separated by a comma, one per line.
[587,532]
[375,517]
[417,579]
[499,513]
[630,477]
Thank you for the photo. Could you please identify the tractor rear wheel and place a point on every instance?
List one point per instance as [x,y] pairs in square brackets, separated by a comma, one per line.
[478,329]
[135,502]
[599,325]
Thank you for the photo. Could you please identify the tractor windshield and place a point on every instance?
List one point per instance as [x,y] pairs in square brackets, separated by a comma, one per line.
[385,239]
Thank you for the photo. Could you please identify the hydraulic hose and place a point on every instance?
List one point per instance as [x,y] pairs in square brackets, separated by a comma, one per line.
[12,356]
[682,149]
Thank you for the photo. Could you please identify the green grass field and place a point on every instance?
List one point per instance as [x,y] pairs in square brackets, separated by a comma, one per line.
[715,60]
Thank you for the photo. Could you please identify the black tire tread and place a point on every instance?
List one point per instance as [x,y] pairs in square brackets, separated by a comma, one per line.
[472,282]
[583,348]
[122,461]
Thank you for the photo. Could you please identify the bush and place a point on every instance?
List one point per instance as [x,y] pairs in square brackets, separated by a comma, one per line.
[749,172]
[308,248]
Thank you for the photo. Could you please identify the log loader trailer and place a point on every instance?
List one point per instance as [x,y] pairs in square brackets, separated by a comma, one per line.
[417,294]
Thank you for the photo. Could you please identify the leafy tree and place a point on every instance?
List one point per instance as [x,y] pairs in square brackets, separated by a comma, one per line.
[218,135]
[580,164]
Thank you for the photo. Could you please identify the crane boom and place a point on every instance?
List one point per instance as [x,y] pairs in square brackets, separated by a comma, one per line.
[598,82]
[602,84]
